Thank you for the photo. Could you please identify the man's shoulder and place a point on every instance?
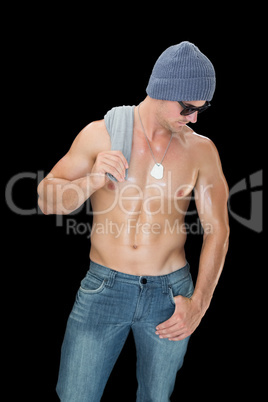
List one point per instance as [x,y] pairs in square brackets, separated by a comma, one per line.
[196,139]
[202,148]
[92,138]
[94,128]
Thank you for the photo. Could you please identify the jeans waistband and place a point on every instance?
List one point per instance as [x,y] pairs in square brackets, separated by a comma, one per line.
[164,280]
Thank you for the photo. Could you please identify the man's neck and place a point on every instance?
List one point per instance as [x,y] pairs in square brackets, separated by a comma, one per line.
[149,114]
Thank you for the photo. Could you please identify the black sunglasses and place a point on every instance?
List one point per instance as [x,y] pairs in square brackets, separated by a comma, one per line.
[191,109]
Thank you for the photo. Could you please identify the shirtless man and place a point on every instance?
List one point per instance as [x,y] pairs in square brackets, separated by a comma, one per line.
[139,278]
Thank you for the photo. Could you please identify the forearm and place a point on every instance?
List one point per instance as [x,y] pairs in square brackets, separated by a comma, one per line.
[211,263]
[59,196]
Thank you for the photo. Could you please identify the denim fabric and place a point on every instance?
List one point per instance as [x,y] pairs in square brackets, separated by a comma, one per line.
[108,305]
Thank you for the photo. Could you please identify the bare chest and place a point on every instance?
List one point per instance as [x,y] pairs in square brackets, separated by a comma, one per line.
[170,168]
[143,193]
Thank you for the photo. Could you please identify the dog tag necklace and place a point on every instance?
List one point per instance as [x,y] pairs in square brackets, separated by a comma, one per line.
[157,171]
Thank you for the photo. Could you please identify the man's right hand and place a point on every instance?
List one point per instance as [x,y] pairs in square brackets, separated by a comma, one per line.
[112,162]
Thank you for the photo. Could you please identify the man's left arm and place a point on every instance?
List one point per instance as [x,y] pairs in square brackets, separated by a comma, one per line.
[211,195]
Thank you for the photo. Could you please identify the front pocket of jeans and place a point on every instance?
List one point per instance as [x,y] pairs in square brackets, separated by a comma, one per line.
[171,295]
[184,288]
[92,285]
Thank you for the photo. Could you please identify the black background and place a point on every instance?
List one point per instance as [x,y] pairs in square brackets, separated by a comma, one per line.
[63,69]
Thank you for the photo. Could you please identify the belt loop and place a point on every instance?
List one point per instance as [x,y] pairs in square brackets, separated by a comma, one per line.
[110,280]
[164,284]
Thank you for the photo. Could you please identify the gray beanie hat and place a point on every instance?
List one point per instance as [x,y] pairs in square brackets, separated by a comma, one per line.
[182,73]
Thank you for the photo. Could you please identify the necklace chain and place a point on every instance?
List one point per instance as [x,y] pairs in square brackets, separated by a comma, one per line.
[149,142]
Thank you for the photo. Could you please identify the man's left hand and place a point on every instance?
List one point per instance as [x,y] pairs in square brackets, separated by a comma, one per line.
[183,322]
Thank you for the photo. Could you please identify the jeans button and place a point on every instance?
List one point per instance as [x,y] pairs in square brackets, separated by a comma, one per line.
[143,281]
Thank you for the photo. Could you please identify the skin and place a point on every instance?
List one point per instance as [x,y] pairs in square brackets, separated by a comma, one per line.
[141,220]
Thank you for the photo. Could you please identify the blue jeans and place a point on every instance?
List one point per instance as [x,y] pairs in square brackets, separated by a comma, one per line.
[108,305]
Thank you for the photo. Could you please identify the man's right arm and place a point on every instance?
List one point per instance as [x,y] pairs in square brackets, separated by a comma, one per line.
[81,172]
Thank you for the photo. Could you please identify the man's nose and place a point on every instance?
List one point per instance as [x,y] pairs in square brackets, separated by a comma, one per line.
[192,118]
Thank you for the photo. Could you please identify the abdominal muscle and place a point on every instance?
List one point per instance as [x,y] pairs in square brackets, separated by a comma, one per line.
[139,244]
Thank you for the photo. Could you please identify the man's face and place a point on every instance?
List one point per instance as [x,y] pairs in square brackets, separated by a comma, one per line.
[169,114]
